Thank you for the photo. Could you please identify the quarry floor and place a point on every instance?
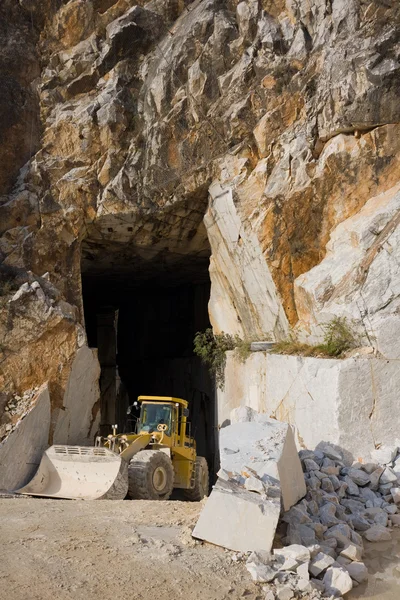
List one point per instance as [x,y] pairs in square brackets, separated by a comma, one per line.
[64,550]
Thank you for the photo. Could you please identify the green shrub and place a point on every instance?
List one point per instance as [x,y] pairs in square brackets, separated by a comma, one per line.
[339,336]
[242,348]
[212,347]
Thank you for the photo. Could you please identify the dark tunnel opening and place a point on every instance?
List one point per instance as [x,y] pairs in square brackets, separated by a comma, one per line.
[142,317]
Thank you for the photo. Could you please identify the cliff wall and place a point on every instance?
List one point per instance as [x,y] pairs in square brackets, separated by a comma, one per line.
[265,130]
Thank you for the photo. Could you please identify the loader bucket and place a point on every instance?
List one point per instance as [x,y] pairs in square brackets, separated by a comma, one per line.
[79,472]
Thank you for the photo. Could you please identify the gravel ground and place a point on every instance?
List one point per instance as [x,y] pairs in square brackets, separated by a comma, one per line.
[383,562]
[73,550]
[64,550]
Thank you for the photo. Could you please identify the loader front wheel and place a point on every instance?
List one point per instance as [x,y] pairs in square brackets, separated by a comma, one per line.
[151,476]
[201,481]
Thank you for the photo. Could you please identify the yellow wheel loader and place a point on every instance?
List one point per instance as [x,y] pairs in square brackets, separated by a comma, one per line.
[147,464]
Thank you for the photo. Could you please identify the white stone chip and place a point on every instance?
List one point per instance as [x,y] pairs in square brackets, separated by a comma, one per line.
[293,555]
[321,562]
[337,581]
[395,519]
[375,478]
[261,567]
[391,509]
[253,484]
[284,593]
[303,571]
[330,452]
[388,476]
[395,491]
[352,552]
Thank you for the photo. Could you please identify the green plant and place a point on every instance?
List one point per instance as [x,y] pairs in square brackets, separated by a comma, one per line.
[242,348]
[212,348]
[339,336]
[293,346]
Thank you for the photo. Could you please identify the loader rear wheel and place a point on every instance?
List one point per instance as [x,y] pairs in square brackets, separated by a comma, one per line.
[151,476]
[201,481]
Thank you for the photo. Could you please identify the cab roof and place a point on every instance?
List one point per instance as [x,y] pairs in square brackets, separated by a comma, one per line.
[183,403]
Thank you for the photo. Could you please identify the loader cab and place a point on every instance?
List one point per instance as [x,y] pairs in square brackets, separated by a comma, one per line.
[167,411]
[154,414]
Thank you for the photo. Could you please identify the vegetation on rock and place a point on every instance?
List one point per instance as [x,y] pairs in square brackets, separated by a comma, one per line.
[339,337]
[212,348]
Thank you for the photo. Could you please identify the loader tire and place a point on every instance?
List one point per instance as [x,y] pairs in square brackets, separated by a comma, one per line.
[201,482]
[151,476]
[119,488]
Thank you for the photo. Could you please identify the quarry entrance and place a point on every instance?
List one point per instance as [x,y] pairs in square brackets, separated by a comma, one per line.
[142,308]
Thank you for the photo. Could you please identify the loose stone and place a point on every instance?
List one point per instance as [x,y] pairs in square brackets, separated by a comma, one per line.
[357,571]
[352,552]
[337,581]
[377,533]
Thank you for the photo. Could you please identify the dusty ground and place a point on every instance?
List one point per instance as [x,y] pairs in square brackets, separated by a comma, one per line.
[383,562]
[64,550]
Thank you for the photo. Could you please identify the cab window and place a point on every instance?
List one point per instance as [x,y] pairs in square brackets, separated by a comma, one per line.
[152,415]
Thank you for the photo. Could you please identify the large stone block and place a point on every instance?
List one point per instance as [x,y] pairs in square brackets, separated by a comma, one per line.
[238,519]
[244,298]
[21,451]
[239,514]
[268,448]
[78,420]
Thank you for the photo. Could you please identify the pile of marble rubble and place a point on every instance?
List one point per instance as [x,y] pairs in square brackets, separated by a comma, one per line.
[324,507]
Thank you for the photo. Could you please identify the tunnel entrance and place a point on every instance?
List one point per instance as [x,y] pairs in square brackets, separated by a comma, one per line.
[142,309]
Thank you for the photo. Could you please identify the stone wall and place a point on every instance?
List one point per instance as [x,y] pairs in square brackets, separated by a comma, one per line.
[351,403]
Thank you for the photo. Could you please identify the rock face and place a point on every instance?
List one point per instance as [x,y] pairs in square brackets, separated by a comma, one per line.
[266,131]
[19,102]
[79,417]
[350,403]
[360,270]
